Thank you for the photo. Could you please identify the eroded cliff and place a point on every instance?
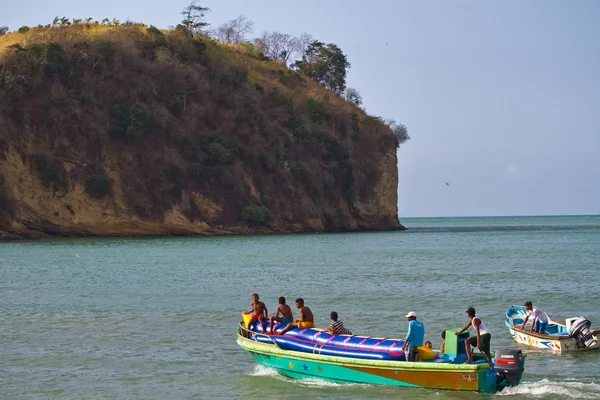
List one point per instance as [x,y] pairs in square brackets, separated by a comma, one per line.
[121,131]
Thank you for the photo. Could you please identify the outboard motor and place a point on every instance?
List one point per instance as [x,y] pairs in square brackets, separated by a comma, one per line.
[509,366]
[580,330]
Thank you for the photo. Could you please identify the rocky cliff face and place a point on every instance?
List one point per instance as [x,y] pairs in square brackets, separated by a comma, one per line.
[129,131]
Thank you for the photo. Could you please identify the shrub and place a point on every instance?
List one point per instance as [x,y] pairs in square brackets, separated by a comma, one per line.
[24,29]
[49,55]
[98,185]
[70,209]
[224,175]
[194,170]
[218,153]
[355,120]
[270,161]
[257,214]
[173,173]
[316,111]
[300,171]
[6,202]
[154,31]
[51,174]
[128,123]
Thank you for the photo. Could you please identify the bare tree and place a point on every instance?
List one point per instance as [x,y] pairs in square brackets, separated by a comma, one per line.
[278,46]
[305,40]
[234,31]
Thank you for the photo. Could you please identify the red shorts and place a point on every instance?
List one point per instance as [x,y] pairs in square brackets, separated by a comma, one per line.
[257,316]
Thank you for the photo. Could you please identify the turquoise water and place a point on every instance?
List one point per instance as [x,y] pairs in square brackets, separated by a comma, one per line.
[156,318]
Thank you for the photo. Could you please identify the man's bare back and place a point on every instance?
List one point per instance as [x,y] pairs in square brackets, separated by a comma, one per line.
[286,311]
[306,315]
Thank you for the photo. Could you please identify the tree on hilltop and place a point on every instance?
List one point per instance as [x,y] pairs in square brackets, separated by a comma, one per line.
[325,64]
[3,30]
[234,31]
[193,17]
[400,131]
[352,95]
[277,46]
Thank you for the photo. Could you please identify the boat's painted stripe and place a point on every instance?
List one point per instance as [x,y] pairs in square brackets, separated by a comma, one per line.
[457,378]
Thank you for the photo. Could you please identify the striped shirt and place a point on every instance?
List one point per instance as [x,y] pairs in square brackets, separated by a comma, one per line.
[338,328]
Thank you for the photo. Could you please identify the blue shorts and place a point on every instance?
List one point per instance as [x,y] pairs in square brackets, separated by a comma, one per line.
[540,327]
[286,321]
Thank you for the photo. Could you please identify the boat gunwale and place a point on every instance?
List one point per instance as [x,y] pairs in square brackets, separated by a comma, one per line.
[541,336]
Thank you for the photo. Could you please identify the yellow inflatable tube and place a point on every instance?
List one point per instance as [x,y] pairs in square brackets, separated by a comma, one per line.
[425,353]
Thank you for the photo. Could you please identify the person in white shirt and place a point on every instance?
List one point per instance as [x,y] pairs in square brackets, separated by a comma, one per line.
[539,318]
[481,339]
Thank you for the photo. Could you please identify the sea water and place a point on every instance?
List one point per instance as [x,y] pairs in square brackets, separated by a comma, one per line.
[156,318]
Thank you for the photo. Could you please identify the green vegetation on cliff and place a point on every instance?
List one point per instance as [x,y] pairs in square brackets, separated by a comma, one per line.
[138,122]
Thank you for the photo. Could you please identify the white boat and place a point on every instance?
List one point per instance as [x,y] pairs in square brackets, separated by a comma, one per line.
[574,334]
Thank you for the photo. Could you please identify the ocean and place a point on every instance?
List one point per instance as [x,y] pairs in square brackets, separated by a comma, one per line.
[156,318]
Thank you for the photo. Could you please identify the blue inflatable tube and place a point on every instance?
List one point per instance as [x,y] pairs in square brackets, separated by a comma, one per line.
[320,342]
[290,343]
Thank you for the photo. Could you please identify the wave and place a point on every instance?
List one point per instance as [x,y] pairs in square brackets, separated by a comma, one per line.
[564,389]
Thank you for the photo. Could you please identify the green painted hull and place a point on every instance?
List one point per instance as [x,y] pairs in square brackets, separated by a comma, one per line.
[434,375]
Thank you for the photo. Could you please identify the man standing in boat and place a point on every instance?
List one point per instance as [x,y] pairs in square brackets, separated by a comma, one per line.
[306,319]
[482,337]
[414,337]
[539,318]
[259,312]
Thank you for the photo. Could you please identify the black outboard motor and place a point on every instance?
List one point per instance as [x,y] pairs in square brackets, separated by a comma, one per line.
[509,366]
[580,330]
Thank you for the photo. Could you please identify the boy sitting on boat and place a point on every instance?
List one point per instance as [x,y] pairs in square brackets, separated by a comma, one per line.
[337,326]
[306,319]
[286,315]
[259,310]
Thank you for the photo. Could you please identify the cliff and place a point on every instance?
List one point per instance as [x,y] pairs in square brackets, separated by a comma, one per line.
[123,131]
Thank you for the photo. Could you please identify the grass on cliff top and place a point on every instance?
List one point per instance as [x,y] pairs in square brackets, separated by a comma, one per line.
[260,71]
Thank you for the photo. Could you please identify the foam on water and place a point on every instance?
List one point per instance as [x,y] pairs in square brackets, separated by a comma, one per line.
[322,383]
[545,387]
[259,370]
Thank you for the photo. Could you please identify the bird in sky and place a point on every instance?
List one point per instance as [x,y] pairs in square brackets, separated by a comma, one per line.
[447,183]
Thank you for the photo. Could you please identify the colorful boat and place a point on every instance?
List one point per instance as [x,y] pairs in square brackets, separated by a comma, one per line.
[574,334]
[315,354]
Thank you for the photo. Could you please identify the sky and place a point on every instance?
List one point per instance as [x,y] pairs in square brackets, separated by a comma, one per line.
[501,98]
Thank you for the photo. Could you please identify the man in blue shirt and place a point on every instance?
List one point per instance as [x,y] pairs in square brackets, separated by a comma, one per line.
[414,337]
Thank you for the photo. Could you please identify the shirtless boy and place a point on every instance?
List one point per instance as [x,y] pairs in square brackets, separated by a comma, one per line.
[286,314]
[306,319]
[259,312]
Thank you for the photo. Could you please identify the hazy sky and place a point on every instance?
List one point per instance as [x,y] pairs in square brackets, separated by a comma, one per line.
[501,99]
